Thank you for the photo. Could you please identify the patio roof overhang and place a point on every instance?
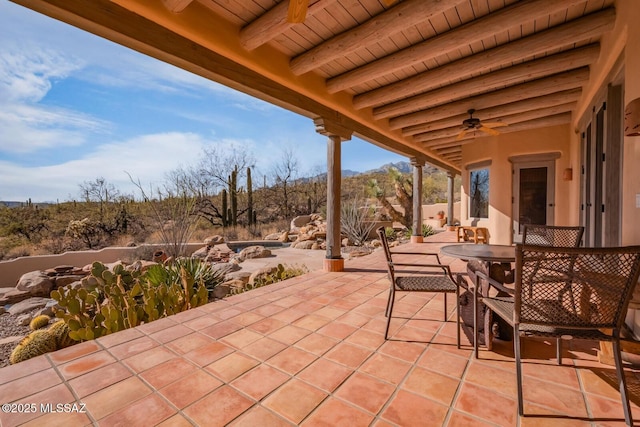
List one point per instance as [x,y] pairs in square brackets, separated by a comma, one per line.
[401,74]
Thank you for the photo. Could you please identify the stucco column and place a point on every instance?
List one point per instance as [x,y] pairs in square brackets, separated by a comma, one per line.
[450,177]
[416,235]
[335,134]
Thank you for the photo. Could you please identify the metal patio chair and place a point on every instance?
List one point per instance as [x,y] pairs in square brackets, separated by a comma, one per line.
[601,281]
[558,236]
[431,277]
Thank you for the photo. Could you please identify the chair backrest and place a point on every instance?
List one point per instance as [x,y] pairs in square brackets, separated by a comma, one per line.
[575,287]
[387,252]
[552,235]
[385,244]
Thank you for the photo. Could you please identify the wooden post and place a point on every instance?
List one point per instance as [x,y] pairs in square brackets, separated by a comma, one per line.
[416,235]
[450,177]
[336,134]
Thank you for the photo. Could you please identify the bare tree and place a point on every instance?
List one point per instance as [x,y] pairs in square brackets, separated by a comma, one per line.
[285,172]
[173,210]
[217,166]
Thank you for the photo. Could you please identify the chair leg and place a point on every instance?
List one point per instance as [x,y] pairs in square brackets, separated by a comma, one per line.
[392,296]
[623,382]
[559,350]
[445,306]
[390,301]
[458,315]
[516,350]
[475,319]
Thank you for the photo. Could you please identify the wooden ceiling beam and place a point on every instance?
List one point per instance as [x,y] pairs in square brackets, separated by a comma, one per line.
[558,119]
[400,17]
[496,22]
[585,28]
[527,71]
[545,86]
[176,6]
[456,149]
[498,111]
[274,22]
[510,120]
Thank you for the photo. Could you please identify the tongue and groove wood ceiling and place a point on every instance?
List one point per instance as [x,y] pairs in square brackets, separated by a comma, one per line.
[405,71]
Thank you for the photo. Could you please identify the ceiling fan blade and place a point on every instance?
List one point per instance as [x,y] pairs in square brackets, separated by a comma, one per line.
[489,130]
[297,11]
[494,124]
[462,134]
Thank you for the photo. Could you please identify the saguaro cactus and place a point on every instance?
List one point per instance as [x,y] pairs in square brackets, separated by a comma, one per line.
[249,198]
[225,218]
[233,193]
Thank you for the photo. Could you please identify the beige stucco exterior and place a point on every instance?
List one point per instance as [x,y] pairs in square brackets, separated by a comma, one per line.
[619,63]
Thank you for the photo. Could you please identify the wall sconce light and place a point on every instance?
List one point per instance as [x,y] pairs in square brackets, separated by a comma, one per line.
[632,118]
[567,174]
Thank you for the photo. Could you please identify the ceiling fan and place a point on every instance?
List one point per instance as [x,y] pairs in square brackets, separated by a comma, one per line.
[472,124]
[297,11]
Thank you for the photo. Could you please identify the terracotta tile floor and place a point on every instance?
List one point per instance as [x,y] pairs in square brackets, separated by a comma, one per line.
[310,351]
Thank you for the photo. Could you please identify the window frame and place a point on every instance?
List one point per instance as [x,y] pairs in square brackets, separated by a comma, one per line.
[476,169]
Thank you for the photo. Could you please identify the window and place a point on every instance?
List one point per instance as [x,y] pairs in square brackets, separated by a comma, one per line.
[479,193]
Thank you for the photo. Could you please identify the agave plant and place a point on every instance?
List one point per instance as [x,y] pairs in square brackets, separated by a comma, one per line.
[196,270]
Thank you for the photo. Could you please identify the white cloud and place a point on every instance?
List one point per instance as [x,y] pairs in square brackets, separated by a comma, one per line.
[26,72]
[146,158]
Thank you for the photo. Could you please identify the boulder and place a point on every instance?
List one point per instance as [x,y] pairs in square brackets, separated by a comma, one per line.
[306,244]
[214,240]
[258,274]
[221,291]
[220,252]
[273,236]
[36,282]
[300,221]
[63,269]
[28,305]
[13,296]
[201,253]
[242,276]
[225,267]
[235,284]
[284,237]
[251,252]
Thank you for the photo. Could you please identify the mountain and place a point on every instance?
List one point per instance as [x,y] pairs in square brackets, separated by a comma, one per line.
[403,167]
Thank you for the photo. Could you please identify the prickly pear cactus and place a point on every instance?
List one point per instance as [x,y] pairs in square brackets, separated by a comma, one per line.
[39,322]
[125,298]
[36,343]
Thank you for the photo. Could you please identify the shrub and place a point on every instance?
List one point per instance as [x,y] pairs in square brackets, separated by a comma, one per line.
[280,273]
[356,221]
[390,233]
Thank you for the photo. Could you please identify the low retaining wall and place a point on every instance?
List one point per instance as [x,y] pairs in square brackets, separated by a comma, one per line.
[11,270]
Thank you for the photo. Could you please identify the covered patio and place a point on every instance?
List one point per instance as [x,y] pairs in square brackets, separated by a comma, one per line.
[553,77]
[311,351]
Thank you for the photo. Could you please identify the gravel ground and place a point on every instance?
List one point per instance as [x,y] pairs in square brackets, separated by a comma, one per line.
[9,328]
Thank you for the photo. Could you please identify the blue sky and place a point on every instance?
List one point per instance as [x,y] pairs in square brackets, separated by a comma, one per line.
[75,107]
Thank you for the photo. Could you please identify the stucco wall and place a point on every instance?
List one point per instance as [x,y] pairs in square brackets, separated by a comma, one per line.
[498,149]
[620,46]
